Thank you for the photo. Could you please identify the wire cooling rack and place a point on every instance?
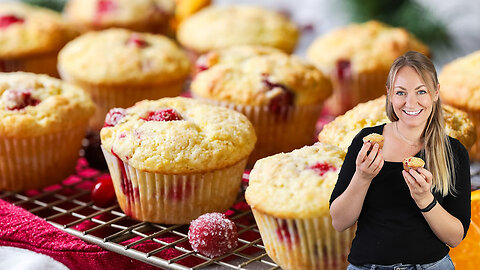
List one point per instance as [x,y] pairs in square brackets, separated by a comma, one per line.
[68,207]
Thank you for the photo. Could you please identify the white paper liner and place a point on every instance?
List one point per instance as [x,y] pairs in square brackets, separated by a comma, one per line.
[292,128]
[30,163]
[106,97]
[173,199]
[304,243]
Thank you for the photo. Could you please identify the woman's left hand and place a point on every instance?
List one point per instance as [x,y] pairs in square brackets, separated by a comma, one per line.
[419,182]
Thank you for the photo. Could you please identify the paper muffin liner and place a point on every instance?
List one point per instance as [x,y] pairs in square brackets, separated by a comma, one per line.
[30,163]
[304,243]
[291,128]
[39,63]
[474,115]
[173,198]
[354,89]
[106,97]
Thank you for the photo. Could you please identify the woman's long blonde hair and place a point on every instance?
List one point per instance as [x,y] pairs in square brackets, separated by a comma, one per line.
[438,152]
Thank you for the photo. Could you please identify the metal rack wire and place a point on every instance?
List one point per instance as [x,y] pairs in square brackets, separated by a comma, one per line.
[68,207]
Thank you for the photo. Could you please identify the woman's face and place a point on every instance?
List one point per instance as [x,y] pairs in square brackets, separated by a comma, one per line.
[411,100]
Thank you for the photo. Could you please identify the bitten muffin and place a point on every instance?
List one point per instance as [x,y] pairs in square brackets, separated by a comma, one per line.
[30,38]
[342,130]
[280,94]
[461,88]
[119,67]
[42,123]
[289,195]
[358,58]
[374,138]
[412,163]
[139,15]
[174,159]
[218,27]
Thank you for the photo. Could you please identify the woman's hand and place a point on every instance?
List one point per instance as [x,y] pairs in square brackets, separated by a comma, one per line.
[419,182]
[369,164]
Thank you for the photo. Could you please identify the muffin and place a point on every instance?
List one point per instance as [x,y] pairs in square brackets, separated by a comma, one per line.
[30,38]
[460,88]
[139,15]
[374,138]
[342,130]
[174,159]
[358,58]
[118,67]
[42,123]
[218,27]
[412,163]
[289,195]
[280,94]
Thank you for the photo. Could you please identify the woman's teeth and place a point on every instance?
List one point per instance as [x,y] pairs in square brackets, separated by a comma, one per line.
[412,112]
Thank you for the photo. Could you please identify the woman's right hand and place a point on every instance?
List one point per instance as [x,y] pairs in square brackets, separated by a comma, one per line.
[368,164]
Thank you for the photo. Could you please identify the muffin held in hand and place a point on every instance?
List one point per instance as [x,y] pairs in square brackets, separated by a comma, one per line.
[412,163]
[374,138]
[289,195]
[42,124]
[174,159]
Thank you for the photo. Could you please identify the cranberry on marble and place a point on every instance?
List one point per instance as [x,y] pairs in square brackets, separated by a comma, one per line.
[103,193]
[114,116]
[137,41]
[213,234]
[18,99]
[163,115]
[322,167]
[7,20]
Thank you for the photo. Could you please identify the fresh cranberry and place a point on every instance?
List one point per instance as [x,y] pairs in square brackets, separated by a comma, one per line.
[137,41]
[7,20]
[284,234]
[103,193]
[163,115]
[344,69]
[105,6]
[213,234]
[19,99]
[322,168]
[114,116]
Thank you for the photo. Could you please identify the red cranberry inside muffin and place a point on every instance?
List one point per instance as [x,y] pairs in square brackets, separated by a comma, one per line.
[281,101]
[105,6]
[7,20]
[18,99]
[114,116]
[137,41]
[322,167]
[163,115]
[213,234]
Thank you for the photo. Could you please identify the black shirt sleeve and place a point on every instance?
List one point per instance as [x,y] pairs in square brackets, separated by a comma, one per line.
[458,204]
[349,164]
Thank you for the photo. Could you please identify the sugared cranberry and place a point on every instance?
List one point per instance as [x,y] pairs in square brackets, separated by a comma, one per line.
[103,193]
[344,69]
[7,20]
[114,116]
[18,99]
[213,234]
[322,167]
[284,234]
[105,6]
[137,41]
[163,115]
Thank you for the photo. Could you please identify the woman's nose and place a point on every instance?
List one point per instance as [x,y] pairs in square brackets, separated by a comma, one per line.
[411,99]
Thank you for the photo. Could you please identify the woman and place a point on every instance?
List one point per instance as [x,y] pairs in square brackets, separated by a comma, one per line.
[405,219]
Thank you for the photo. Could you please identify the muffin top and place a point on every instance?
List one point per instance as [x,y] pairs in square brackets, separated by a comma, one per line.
[33,105]
[119,56]
[217,27]
[413,163]
[366,47]
[178,136]
[344,128]
[261,79]
[374,138]
[101,14]
[459,82]
[296,184]
[27,30]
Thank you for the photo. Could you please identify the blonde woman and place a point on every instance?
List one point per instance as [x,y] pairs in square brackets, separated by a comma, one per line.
[405,219]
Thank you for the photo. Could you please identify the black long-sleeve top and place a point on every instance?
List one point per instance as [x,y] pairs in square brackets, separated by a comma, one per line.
[391,229]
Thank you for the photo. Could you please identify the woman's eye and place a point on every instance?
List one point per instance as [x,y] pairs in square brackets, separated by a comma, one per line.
[421,92]
[399,93]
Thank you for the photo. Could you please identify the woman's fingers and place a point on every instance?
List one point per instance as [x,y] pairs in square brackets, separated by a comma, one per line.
[363,153]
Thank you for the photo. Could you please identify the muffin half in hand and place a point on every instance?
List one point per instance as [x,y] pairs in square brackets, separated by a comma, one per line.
[412,163]
[374,138]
